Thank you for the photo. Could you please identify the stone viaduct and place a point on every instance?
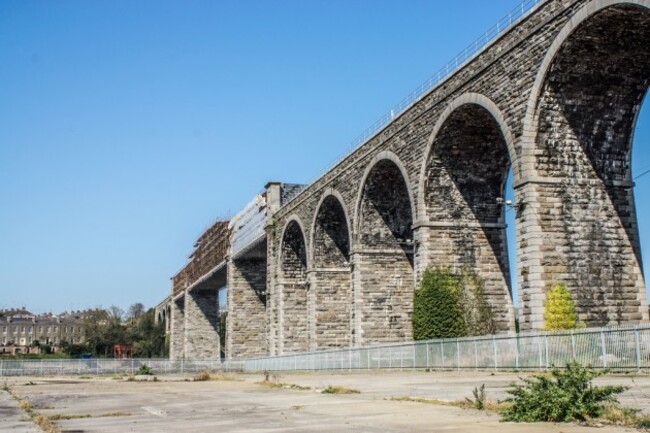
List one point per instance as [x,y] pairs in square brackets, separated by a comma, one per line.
[554,99]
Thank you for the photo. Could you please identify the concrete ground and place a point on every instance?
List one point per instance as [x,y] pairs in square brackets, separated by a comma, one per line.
[243,405]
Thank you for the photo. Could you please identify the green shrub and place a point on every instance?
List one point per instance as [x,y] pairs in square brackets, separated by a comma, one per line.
[144,370]
[559,310]
[449,304]
[564,396]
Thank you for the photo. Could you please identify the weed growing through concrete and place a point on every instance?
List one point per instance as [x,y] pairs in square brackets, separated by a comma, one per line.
[467,403]
[272,381]
[202,376]
[280,385]
[41,421]
[625,416]
[144,370]
[58,416]
[340,390]
[478,402]
[566,395]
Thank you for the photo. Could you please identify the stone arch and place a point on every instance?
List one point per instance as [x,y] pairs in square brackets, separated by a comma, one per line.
[330,276]
[388,156]
[490,107]
[337,229]
[383,253]
[293,288]
[462,221]
[579,125]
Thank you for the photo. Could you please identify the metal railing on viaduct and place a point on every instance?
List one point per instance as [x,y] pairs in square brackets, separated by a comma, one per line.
[619,348]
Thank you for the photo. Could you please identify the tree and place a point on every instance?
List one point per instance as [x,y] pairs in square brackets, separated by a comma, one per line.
[147,336]
[135,311]
[559,310]
[103,329]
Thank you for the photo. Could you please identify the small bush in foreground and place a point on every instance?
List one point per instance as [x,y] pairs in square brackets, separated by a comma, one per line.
[144,370]
[564,396]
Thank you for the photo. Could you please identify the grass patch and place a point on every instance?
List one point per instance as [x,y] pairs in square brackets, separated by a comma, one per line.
[488,405]
[339,390]
[42,421]
[202,376]
[221,376]
[280,385]
[45,424]
[85,377]
[625,416]
[59,416]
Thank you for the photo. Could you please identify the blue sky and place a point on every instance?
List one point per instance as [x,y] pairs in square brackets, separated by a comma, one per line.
[127,127]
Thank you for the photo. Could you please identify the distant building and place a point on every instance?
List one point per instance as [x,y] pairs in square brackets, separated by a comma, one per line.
[21,328]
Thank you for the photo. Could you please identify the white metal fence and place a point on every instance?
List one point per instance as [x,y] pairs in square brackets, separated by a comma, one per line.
[623,347]
[619,348]
[44,367]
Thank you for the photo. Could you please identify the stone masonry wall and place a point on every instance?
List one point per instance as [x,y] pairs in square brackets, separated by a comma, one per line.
[585,205]
[202,325]
[246,330]
[583,215]
[292,293]
[177,342]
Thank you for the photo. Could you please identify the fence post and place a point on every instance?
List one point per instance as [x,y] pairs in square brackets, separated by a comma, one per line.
[132,368]
[637,348]
[604,349]
[539,350]
[427,348]
[415,355]
[442,354]
[546,348]
[368,357]
[457,355]
[573,345]
[517,351]
[494,348]
[2,364]
[475,354]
